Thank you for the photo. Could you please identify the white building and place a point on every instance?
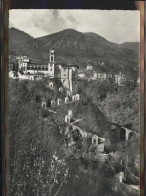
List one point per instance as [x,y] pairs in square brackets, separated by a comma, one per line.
[73,98]
[60,89]
[68,93]
[12,74]
[51,84]
[66,99]
[101,142]
[89,67]
[23,76]
[53,103]
[31,77]
[31,68]
[67,119]
[95,140]
[77,97]
[81,75]
[70,113]
[102,76]
[44,104]
[120,79]
[59,101]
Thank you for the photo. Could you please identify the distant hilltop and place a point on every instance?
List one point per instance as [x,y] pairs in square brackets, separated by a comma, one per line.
[73,47]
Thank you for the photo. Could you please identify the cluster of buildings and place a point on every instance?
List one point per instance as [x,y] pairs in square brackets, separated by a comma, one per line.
[119,78]
[31,70]
[34,70]
[59,101]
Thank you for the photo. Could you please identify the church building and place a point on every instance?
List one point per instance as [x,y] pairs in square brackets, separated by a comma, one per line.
[67,74]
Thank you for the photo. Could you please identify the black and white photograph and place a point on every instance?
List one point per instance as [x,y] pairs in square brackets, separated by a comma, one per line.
[74,102]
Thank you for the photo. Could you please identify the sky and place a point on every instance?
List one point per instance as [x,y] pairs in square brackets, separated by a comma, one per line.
[115,25]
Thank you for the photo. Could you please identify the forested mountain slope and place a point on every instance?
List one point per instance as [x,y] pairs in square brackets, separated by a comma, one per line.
[79,48]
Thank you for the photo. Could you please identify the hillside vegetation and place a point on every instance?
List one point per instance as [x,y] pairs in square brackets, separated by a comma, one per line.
[39,164]
[18,37]
[119,105]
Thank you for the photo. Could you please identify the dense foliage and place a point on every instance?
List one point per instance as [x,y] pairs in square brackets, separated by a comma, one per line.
[38,160]
[119,104]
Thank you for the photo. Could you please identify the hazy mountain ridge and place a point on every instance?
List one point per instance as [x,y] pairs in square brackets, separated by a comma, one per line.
[16,37]
[72,46]
[130,45]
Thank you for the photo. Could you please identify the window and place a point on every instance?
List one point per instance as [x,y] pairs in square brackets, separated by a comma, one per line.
[94,141]
[68,120]
[60,89]
[68,93]
[51,58]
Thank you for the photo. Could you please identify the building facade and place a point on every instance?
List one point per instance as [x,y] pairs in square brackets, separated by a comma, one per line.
[120,79]
[89,67]
[68,75]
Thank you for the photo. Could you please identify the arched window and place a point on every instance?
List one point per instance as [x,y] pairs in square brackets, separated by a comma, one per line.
[94,141]
[58,101]
[51,58]
[51,84]
[44,105]
[68,93]
[73,98]
[52,102]
[66,99]
[70,113]
[61,89]
[67,119]
[77,96]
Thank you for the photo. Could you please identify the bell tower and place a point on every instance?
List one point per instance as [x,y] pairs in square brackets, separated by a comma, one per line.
[51,64]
